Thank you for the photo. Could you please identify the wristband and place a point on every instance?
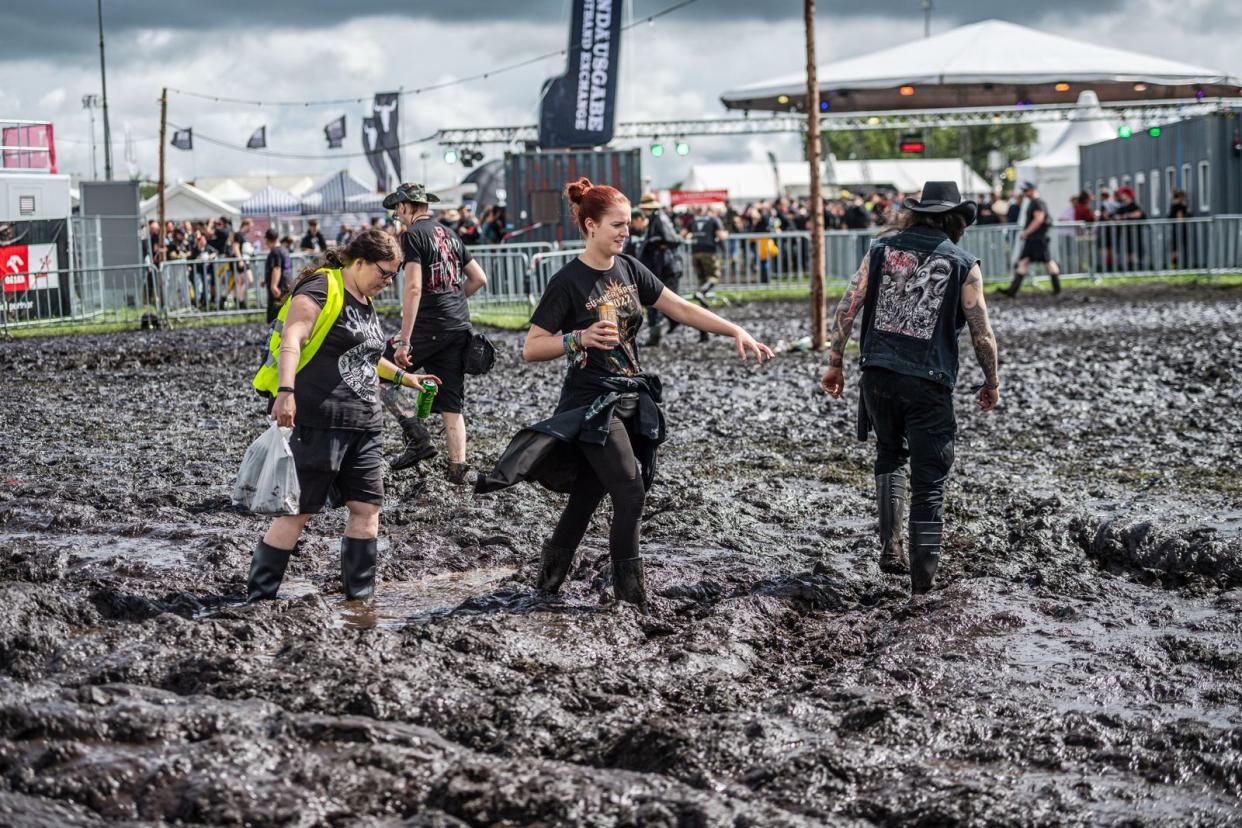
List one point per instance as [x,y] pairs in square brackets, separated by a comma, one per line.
[397,376]
[400,343]
[990,387]
[284,389]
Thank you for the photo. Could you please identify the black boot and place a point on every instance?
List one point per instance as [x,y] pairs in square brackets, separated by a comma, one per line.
[1055,278]
[267,570]
[925,540]
[418,446]
[629,583]
[554,565]
[890,492]
[1014,286]
[358,567]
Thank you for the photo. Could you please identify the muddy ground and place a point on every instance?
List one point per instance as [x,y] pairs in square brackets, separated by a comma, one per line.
[1079,662]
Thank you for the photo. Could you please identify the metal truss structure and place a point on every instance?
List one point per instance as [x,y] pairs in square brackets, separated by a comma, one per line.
[1138,114]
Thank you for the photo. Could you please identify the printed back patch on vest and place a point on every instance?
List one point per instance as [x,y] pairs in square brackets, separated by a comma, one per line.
[912,288]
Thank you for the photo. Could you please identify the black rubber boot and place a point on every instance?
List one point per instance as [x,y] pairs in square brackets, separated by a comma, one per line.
[890,490]
[267,570]
[1014,286]
[629,584]
[554,565]
[1055,278]
[358,567]
[418,446]
[925,541]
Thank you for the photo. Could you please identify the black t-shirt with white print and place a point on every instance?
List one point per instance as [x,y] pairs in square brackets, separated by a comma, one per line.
[442,258]
[339,387]
[571,303]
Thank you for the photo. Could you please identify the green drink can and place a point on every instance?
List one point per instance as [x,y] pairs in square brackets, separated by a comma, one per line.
[426,394]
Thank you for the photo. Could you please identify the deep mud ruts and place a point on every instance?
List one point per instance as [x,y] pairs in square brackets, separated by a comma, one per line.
[1081,662]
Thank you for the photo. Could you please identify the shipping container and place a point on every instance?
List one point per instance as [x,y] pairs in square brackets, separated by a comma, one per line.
[1202,156]
[535,182]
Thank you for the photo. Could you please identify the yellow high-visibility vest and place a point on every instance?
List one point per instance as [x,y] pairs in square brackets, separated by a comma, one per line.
[267,380]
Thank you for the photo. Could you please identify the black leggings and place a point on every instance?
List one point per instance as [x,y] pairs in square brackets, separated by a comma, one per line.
[610,469]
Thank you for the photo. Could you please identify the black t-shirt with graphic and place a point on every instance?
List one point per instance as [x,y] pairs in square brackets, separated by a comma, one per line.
[703,230]
[443,259]
[339,387]
[571,303]
[1041,231]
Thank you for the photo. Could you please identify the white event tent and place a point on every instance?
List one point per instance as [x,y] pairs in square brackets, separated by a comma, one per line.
[986,64]
[185,202]
[758,181]
[1055,172]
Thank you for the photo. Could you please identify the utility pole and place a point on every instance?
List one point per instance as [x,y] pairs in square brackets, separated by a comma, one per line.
[103,78]
[89,103]
[927,10]
[163,128]
[819,321]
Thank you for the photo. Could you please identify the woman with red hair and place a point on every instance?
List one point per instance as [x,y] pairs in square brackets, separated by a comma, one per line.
[603,436]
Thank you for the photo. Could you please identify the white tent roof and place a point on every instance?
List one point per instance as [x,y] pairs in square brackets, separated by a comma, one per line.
[1087,126]
[228,190]
[1017,62]
[231,187]
[754,180]
[184,202]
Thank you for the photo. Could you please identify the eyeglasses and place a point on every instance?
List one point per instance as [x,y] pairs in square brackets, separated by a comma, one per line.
[386,275]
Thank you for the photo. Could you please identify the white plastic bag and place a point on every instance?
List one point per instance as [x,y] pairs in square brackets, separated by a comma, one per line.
[268,481]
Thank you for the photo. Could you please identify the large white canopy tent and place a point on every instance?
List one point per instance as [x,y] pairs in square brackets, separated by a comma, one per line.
[1055,172]
[185,202]
[992,63]
[757,180]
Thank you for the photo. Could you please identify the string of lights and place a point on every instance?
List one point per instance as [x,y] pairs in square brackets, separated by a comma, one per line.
[648,19]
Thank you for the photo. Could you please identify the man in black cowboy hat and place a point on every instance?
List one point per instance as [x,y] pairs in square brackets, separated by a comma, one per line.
[435,333]
[918,289]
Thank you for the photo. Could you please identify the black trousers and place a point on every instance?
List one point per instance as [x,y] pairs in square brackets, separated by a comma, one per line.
[913,420]
[610,469]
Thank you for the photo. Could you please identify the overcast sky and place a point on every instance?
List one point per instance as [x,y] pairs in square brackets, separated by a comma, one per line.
[316,49]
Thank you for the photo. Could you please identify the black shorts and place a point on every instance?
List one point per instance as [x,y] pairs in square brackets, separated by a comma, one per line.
[336,465]
[1036,250]
[442,354]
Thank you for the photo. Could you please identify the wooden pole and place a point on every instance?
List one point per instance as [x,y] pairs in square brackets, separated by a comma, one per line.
[819,319]
[163,128]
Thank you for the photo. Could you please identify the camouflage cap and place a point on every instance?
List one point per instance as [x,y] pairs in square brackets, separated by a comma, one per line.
[413,193]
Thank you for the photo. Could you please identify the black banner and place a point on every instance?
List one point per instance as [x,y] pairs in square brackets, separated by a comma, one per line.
[579,107]
[335,133]
[258,139]
[386,113]
[375,155]
[183,139]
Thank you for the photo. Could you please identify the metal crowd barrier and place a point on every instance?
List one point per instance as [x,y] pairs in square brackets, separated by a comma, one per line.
[519,273]
[80,296]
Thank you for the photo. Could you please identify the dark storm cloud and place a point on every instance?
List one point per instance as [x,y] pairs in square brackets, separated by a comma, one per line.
[66,29]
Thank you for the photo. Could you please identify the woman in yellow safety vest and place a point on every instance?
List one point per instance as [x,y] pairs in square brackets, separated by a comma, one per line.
[324,366]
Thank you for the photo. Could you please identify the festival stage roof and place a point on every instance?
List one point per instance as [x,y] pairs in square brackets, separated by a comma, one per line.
[993,63]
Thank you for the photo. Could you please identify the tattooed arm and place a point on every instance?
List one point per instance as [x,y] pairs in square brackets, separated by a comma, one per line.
[976,311]
[833,380]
